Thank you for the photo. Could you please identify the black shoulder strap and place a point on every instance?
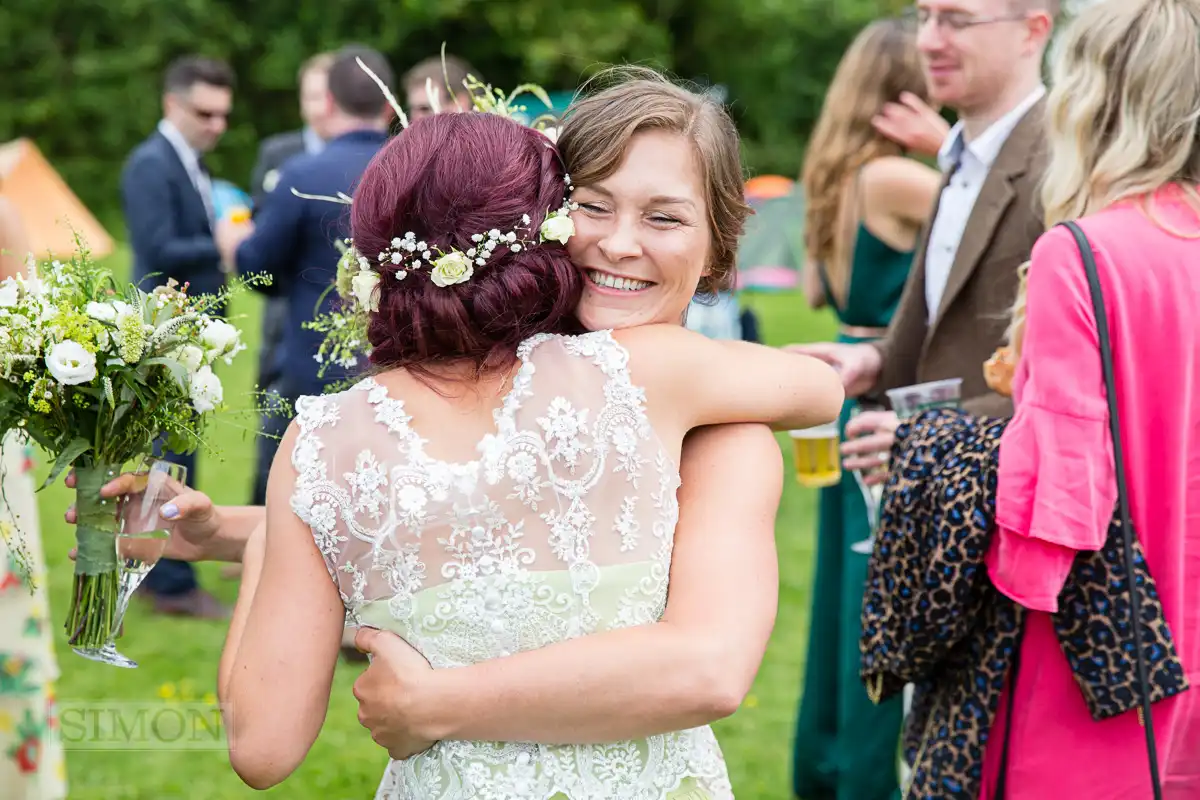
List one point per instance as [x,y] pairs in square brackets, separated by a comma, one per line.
[1110,385]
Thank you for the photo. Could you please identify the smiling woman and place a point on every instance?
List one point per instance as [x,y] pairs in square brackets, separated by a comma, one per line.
[659,185]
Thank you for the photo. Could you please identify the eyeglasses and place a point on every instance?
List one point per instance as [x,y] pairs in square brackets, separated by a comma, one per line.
[956,21]
[205,115]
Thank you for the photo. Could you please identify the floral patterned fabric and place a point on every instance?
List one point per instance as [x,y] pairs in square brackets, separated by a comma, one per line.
[31,754]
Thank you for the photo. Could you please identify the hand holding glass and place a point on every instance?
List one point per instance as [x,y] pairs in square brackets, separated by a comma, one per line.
[141,538]
[907,402]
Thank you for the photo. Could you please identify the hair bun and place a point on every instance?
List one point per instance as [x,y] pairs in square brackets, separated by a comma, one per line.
[453,181]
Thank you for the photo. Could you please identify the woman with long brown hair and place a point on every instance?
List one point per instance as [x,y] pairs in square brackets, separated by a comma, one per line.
[866,203]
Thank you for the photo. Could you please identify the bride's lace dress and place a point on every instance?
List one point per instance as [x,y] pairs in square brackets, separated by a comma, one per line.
[562,526]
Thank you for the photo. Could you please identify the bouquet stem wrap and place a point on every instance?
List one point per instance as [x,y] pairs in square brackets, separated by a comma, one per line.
[97,574]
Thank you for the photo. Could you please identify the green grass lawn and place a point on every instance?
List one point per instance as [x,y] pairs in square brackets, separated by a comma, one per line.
[179,657]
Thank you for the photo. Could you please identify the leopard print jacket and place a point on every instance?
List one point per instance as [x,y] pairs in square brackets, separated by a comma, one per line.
[932,618]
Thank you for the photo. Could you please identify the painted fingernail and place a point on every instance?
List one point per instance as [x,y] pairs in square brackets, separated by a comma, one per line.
[169,511]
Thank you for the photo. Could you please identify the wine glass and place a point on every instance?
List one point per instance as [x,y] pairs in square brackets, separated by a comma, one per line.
[140,541]
[907,402]
[872,496]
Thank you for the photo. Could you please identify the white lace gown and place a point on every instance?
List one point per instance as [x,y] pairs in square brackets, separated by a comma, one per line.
[561,527]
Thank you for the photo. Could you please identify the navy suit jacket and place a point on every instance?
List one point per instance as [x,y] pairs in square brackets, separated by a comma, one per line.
[273,152]
[168,224]
[293,242]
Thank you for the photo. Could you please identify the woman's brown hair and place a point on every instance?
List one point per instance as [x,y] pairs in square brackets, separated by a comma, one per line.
[622,101]
[880,65]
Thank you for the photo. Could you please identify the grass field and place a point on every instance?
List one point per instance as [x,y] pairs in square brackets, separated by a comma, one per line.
[178,657]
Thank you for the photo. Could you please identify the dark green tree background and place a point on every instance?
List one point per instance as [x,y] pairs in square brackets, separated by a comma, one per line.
[82,78]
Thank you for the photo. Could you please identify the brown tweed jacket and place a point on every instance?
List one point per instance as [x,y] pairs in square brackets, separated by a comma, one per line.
[974,314]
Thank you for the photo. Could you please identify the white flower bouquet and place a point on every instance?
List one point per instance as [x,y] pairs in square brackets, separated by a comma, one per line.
[95,372]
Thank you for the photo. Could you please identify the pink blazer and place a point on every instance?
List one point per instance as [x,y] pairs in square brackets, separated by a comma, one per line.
[1056,490]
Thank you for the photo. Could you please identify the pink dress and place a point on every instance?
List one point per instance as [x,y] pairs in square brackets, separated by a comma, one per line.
[1056,490]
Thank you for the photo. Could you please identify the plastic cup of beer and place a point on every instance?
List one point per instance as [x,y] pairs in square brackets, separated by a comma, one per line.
[909,401]
[817,459]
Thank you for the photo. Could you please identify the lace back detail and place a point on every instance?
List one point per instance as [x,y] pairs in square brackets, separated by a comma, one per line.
[561,525]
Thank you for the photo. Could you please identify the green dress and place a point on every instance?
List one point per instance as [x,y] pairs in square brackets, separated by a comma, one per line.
[846,746]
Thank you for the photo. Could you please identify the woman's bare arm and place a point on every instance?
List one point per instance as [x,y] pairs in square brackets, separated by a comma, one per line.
[692,381]
[277,667]
[691,668]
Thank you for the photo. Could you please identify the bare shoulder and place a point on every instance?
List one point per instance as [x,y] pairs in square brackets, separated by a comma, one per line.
[891,174]
[656,335]
[655,348]
[732,461]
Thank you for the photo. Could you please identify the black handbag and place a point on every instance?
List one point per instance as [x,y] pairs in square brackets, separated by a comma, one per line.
[1135,599]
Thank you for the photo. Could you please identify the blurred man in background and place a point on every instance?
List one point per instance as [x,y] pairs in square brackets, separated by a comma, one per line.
[314,111]
[273,153]
[430,75]
[166,195]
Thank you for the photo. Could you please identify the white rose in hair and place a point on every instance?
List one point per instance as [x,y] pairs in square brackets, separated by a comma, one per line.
[363,286]
[207,391]
[452,268]
[220,338]
[558,228]
[70,363]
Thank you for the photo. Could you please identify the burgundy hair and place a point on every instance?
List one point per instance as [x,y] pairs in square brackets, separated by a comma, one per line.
[445,178]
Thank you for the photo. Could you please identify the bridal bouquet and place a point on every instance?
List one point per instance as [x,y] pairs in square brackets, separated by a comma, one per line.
[95,372]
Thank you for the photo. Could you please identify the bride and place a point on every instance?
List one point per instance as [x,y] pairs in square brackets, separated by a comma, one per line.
[493,488]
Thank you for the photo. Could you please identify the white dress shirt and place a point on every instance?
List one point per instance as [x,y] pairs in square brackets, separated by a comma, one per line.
[191,163]
[974,160]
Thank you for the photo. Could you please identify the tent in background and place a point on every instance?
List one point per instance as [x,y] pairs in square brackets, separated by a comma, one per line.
[771,251]
[49,210]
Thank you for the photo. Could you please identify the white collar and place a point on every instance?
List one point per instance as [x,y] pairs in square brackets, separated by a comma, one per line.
[312,142]
[189,157]
[986,147]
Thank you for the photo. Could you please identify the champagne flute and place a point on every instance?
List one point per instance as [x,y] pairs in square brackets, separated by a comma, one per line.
[140,541]
[872,496]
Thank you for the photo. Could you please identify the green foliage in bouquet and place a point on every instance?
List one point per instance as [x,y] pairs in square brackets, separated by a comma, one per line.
[345,328]
[95,372]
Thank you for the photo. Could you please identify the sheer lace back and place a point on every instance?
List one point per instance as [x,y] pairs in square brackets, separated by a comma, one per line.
[562,525]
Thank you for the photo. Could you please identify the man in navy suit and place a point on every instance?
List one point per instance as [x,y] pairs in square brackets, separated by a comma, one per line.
[273,153]
[314,109]
[166,194]
[293,239]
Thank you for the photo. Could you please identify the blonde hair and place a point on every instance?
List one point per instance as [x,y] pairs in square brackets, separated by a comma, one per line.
[879,66]
[1016,324]
[621,102]
[1124,113]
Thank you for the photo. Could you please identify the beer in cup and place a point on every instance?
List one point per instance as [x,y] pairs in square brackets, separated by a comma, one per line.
[817,459]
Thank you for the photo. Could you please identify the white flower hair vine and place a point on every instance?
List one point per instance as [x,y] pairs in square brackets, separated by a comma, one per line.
[358,277]
[408,254]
